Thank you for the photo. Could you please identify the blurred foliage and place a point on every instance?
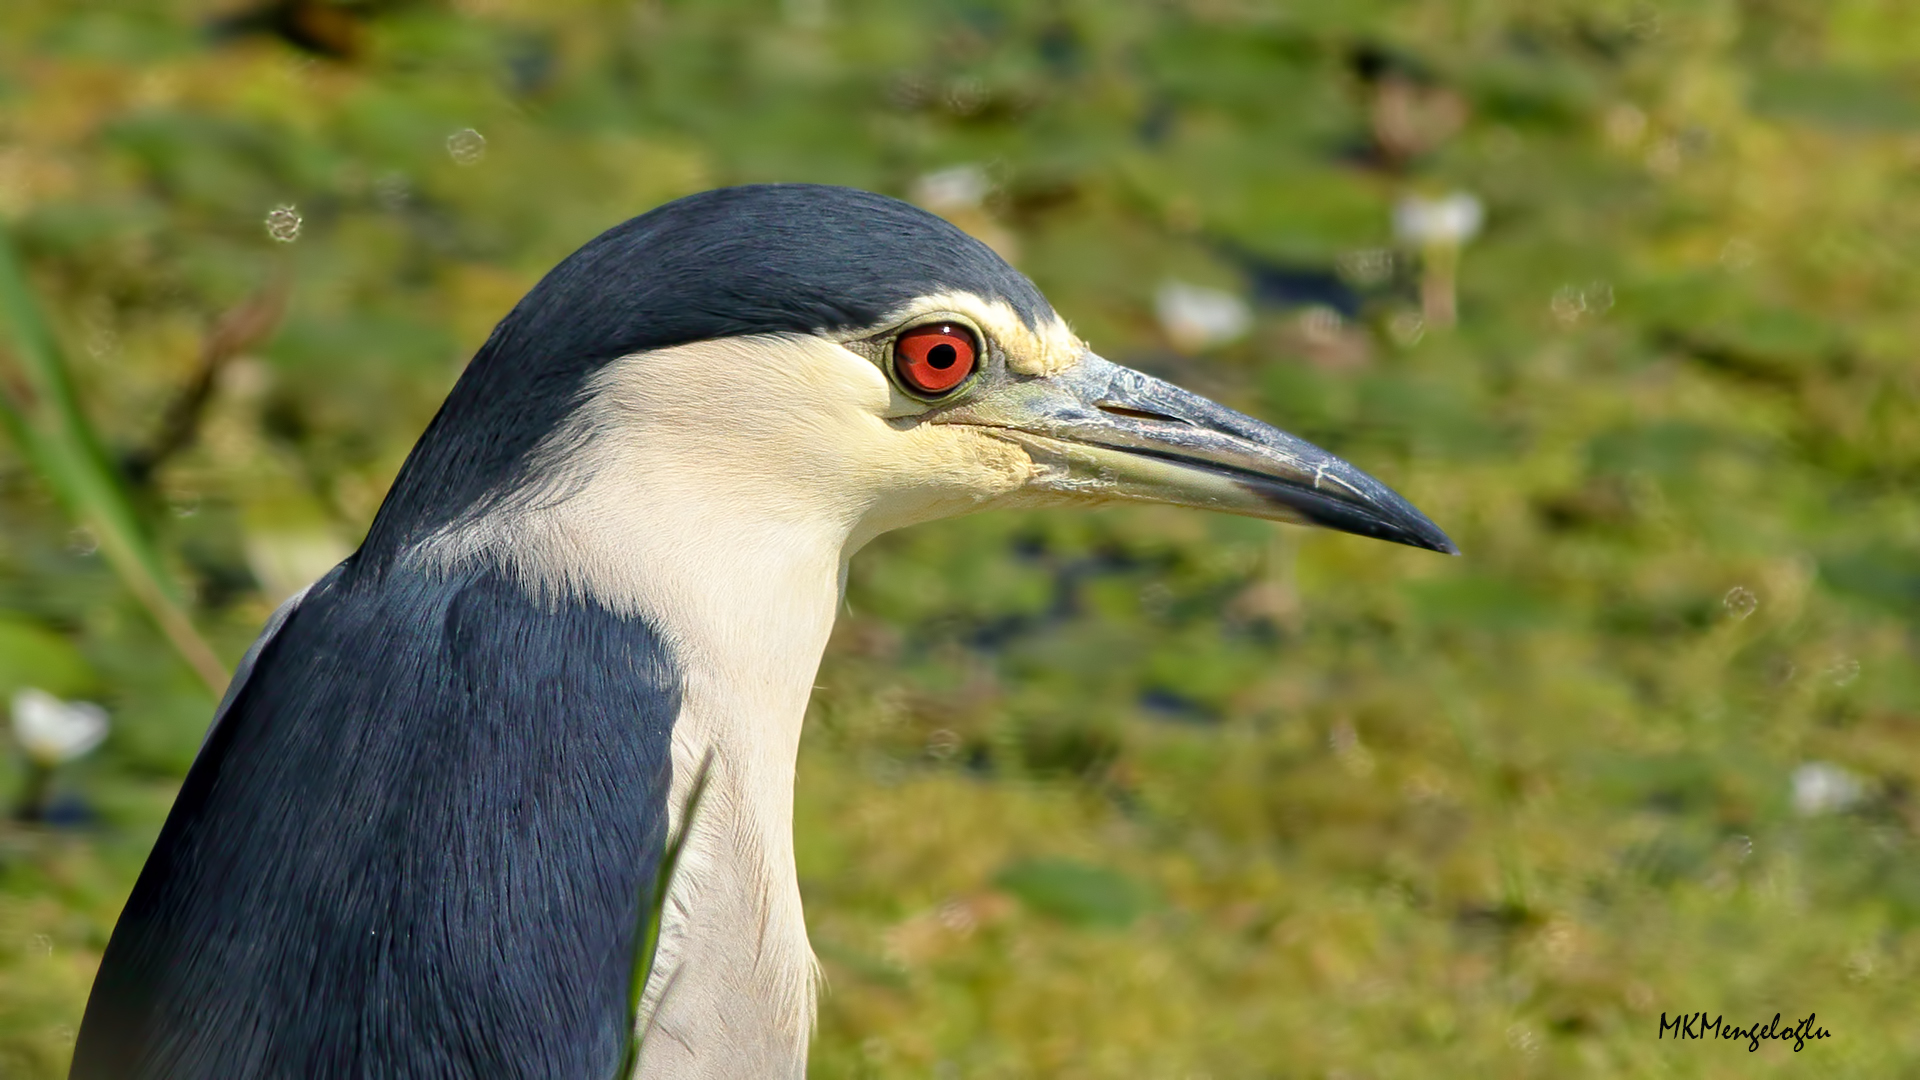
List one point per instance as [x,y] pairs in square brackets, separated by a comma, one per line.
[1140,792]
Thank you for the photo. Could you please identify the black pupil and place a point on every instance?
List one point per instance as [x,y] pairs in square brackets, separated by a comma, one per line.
[942,356]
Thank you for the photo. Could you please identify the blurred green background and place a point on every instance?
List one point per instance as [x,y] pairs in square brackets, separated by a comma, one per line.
[1136,793]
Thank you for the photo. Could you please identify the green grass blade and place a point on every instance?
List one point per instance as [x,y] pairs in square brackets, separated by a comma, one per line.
[652,914]
[54,436]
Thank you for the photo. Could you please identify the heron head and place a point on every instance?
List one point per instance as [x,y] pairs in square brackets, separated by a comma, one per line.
[829,358]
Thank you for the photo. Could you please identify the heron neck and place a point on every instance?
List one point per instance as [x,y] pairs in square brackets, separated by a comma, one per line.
[733,992]
[744,603]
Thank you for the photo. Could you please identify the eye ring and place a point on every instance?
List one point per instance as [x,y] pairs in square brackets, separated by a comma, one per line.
[933,360]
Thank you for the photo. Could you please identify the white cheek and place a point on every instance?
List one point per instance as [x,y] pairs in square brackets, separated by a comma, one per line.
[937,471]
[862,384]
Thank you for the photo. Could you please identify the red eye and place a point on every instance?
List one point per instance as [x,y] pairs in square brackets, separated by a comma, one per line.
[934,359]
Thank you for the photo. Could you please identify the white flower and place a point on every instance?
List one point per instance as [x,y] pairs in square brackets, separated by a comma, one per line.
[1195,317]
[52,731]
[962,187]
[1450,219]
[1821,787]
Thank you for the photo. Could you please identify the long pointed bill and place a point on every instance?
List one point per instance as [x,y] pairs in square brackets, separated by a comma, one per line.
[1103,431]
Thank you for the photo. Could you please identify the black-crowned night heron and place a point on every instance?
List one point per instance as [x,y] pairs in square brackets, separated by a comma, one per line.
[417,839]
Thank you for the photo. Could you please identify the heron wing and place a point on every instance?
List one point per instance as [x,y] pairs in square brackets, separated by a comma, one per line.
[414,845]
[245,669]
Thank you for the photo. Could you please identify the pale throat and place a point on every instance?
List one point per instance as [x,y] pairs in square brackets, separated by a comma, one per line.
[744,600]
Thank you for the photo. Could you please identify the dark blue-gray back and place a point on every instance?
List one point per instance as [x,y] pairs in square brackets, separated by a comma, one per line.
[414,847]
